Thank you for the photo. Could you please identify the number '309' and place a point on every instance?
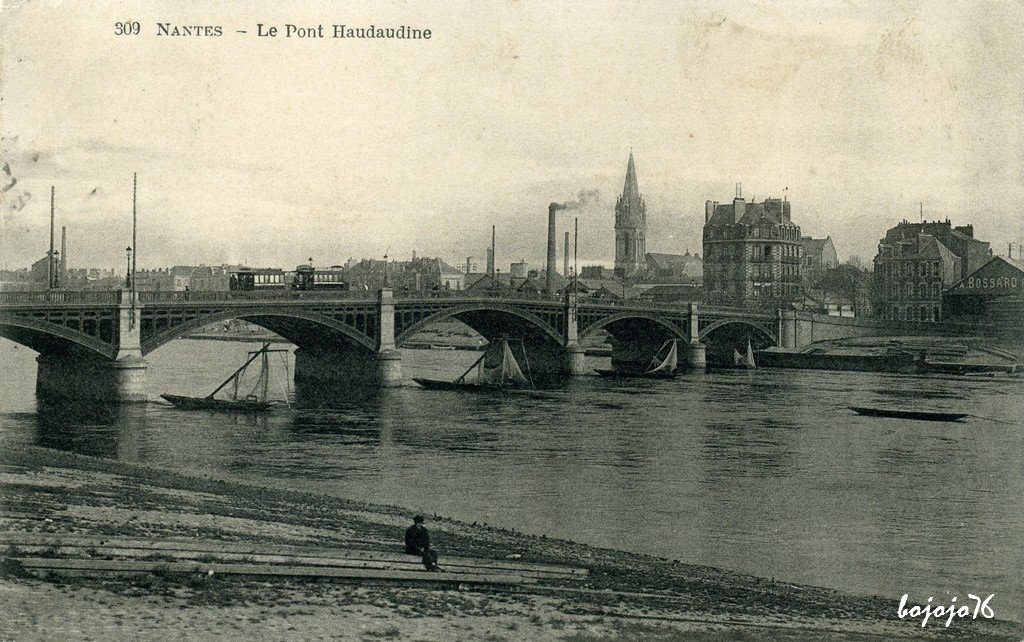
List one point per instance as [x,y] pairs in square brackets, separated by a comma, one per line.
[126,28]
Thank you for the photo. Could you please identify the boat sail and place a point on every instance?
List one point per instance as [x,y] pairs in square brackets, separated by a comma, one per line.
[665,367]
[744,361]
[506,375]
[256,400]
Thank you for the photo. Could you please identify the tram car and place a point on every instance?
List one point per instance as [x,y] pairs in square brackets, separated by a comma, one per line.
[249,279]
[306,277]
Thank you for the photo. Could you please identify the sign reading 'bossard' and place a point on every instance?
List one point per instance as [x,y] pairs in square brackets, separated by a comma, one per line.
[998,277]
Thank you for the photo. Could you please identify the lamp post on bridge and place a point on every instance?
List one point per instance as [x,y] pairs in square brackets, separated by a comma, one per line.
[128,272]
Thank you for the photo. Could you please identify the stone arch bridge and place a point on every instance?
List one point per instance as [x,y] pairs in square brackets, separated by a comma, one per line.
[93,344]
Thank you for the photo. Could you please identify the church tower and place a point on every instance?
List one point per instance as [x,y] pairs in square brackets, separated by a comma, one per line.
[630,227]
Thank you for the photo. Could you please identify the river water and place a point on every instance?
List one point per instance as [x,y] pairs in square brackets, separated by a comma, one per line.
[762,472]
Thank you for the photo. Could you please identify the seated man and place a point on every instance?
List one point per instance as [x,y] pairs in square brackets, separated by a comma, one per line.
[417,539]
[417,542]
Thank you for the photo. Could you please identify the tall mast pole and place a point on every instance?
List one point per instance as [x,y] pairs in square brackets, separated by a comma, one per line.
[49,261]
[135,246]
[494,258]
[135,240]
[575,255]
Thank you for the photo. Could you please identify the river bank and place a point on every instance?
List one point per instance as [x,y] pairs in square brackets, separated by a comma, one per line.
[626,596]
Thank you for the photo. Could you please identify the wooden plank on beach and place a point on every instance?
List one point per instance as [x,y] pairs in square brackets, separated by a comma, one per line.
[413,564]
[242,548]
[263,570]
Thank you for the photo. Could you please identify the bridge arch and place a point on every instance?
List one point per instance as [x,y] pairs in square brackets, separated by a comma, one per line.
[304,329]
[659,321]
[760,330]
[483,317]
[45,337]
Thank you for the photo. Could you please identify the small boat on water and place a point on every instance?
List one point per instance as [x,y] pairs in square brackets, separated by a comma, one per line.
[255,401]
[744,361]
[435,346]
[507,375]
[923,415]
[666,367]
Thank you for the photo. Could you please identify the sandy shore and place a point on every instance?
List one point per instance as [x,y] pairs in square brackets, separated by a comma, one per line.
[626,596]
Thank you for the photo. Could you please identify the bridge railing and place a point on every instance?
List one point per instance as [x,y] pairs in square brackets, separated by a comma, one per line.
[200,296]
[62,296]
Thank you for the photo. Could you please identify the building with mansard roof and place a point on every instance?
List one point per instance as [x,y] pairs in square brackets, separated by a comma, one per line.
[916,262]
[751,253]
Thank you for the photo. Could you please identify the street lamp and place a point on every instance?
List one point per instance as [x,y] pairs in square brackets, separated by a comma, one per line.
[128,272]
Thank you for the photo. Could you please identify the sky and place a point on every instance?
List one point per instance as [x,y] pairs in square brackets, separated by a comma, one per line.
[269,151]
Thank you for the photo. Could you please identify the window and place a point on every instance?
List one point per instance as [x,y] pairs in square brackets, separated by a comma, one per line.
[767,250]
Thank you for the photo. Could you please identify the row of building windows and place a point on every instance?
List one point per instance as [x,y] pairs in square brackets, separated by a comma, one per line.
[738,232]
[749,251]
[908,268]
[912,290]
[913,313]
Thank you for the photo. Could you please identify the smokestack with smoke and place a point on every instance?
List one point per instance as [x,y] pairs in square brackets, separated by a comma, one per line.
[549,285]
[587,199]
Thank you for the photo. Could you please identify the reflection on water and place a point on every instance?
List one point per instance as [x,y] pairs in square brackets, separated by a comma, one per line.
[761,471]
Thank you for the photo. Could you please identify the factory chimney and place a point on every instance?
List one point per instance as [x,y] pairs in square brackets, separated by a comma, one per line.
[549,285]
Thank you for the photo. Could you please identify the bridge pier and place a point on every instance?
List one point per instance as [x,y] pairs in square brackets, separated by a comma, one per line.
[574,353]
[78,375]
[331,367]
[694,353]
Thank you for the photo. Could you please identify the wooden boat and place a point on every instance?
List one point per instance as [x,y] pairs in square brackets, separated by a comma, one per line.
[923,415]
[666,367]
[435,346]
[255,401]
[207,403]
[507,375]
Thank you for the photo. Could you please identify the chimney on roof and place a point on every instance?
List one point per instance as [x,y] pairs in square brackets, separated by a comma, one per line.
[709,210]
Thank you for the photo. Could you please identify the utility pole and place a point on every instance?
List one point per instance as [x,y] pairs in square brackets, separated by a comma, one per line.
[135,246]
[49,258]
[575,256]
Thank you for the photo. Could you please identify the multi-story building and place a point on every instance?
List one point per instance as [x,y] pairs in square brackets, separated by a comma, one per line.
[817,256]
[751,253]
[916,262]
[630,227]
[674,268]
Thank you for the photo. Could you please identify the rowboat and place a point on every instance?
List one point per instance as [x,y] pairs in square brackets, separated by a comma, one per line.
[923,415]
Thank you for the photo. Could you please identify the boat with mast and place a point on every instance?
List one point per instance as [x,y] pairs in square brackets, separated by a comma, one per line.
[744,361]
[507,375]
[661,367]
[257,399]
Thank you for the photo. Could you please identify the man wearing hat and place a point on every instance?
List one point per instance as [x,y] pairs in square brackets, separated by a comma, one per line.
[417,542]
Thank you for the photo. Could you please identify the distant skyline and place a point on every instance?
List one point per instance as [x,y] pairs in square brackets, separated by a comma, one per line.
[270,151]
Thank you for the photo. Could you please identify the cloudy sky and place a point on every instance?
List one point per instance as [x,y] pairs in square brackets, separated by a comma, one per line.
[272,150]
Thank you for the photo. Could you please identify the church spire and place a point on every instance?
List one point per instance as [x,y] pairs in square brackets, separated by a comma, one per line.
[630,191]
